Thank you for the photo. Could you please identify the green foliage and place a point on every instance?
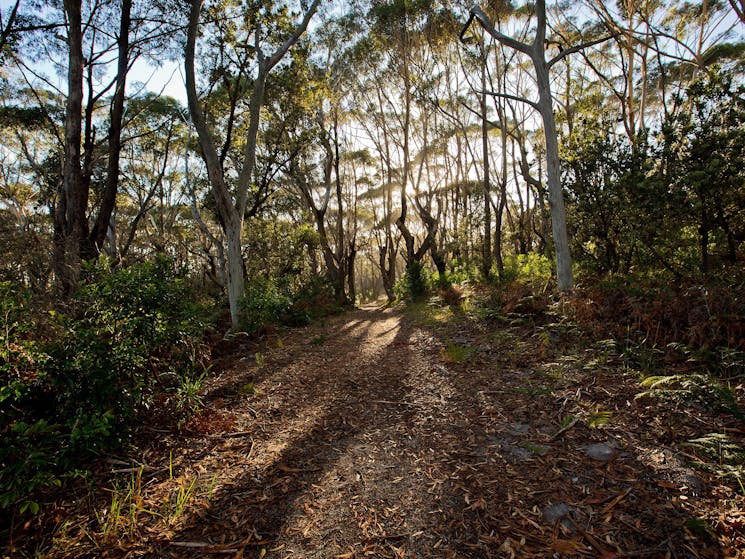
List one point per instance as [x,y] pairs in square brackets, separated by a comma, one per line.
[29,443]
[602,174]
[725,455]
[135,333]
[694,387]
[457,353]
[262,304]
[414,284]
[269,302]
[532,267]
[599,419]
[669,200]
[132,337]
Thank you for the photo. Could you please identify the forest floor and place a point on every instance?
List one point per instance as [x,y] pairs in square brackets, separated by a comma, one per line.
[424,432]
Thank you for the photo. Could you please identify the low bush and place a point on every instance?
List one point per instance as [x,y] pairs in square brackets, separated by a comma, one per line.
[129,337]
[268,302]
[263,304]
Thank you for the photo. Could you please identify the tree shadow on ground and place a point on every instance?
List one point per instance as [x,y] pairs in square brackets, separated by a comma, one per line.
[315,421]
[509,487]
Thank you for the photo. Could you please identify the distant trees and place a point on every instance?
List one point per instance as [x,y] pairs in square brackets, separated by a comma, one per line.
[376,140]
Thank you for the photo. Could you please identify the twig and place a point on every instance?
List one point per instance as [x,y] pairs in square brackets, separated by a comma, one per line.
[565,429]
[590,538]
[230,435]
[205,547]
[399,403]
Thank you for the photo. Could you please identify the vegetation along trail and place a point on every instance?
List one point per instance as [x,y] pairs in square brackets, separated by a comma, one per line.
[430,432]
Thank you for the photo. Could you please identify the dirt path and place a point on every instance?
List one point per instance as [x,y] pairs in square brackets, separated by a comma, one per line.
[342,427]
[376,434]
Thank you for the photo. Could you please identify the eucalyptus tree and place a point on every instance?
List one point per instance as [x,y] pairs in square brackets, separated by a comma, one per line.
[244,51]
[536,51]
[88,41]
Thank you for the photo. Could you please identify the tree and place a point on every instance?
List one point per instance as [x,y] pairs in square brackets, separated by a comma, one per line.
[707,162]
[536,51]
[231,204]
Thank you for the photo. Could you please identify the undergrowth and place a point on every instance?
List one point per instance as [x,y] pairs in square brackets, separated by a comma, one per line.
[128,347]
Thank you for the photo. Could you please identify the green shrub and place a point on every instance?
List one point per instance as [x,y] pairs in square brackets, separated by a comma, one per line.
[312,300]
[27,452]
[532,267]
[414,284]
[129,337]
[270,302]
[132,333]
[263,304]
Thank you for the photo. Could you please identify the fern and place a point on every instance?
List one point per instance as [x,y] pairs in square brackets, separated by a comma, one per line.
[727,455]
[692,387]
[599,419]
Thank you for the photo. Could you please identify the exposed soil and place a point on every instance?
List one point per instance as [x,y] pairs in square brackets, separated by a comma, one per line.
[381,433]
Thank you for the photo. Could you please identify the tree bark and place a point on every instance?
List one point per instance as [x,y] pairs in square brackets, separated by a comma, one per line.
[108,200]
[71,205]
[486,254]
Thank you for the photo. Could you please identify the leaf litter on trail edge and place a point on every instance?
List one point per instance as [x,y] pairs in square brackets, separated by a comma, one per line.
[427,471]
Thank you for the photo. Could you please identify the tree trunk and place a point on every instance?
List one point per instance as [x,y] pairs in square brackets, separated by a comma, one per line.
[71,205]
[553,176]
[486,254]
[108,200]
[233,234]
[230,219]
[351,273]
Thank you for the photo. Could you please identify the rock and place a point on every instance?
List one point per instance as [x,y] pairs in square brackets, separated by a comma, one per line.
[539,449]
[555,512]
[518,428]
[600,451]
[693,483]
[442,371]
[517,454]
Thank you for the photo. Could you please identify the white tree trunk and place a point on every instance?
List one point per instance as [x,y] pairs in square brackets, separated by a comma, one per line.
[553,175]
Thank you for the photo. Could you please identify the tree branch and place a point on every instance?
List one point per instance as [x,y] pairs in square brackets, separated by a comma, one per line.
[299,30]
[513,97]
[483,19]
[576,48]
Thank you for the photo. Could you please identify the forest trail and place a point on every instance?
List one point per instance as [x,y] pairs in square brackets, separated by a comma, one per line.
[387,433]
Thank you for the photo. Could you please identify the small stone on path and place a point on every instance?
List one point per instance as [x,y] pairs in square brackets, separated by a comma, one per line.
[518,428]
[555,512]
[600,451]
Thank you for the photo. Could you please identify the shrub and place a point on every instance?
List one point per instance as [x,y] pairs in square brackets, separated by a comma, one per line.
[270,302]
[28,444]
[414,284]
[532,267]
[131,334]
[313,299]
[263,303]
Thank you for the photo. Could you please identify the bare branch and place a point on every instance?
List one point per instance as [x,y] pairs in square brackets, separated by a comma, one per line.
[512,97]
[483,19]
[576,48]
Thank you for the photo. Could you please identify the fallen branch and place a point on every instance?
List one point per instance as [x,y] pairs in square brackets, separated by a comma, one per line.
[230,435]
[205,547]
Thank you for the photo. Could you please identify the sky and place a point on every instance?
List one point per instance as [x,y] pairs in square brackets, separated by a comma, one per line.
[166,78]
